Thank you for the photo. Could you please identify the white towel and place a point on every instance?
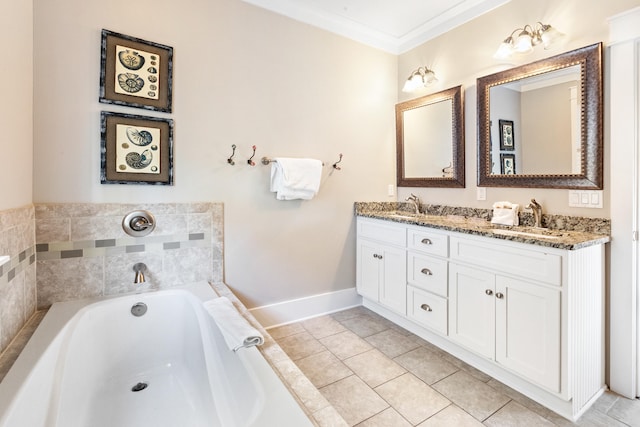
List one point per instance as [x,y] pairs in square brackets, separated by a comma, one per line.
[505,213]
[236,329]
[295,178]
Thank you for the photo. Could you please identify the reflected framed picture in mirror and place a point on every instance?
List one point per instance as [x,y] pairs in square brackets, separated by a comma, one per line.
[506,135]
[507,164]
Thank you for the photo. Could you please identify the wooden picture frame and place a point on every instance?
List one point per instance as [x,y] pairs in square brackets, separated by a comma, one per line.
[135,72]
[507,164]
[507,140]
[135,149]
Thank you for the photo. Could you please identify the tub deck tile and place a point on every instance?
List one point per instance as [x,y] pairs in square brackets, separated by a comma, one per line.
[13,350]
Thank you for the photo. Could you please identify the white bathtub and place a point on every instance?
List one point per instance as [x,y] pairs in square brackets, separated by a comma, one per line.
[83,361]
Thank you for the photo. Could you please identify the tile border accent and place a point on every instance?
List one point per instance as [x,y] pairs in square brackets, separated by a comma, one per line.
[106,247]
[17,264]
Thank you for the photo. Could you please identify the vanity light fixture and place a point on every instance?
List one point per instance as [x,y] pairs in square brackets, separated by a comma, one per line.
[419,78]
[527,38]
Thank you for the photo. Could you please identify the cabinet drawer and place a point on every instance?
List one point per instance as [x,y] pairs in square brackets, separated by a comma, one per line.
[531,264]
[428,241]
[427,272]
[427,309]
[382,231]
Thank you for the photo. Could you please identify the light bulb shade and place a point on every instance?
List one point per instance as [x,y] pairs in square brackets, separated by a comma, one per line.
[505,50]
[550,36]
[412,83]
[523,43]
[429,77]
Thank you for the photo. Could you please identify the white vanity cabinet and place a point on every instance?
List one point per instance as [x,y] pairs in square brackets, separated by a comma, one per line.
[529,315]
[381,264]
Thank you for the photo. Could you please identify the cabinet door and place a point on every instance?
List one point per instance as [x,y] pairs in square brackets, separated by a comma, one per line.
[528,330]
[368,269]
[472,309]
[393,279]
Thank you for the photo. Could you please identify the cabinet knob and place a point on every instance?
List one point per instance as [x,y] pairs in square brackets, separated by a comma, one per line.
[377,256]
[426,271]
[488,292]
[426,307]
[427,241]
[499,295]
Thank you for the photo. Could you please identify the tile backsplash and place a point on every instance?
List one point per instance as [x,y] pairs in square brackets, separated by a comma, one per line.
[80,250]
[18,274]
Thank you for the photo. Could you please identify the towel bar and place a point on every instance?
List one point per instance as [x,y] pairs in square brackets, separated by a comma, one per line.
[265,161]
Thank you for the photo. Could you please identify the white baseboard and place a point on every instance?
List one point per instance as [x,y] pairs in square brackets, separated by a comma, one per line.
[295,310]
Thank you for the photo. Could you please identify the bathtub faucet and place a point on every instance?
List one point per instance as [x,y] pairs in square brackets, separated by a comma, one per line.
[140,268]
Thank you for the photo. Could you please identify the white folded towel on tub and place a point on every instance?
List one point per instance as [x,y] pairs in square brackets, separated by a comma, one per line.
[236,329]
[295,178]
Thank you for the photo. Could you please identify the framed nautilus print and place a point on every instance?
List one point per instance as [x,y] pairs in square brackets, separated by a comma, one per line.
[135,72]
[135,149]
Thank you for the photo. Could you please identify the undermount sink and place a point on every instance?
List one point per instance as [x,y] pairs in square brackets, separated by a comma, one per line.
[542,234]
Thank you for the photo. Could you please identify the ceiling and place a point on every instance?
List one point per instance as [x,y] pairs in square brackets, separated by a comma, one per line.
[395,26]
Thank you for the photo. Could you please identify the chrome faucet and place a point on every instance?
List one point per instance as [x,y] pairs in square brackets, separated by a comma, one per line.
[536,208]
[140,268]
[415,201]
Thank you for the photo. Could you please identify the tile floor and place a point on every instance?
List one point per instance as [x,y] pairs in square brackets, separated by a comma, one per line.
[378,374]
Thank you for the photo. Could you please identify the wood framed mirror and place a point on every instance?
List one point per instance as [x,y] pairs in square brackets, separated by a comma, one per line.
[540,124]
[430,140]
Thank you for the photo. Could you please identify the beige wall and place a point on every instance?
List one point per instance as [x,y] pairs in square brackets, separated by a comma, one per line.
[246,76]
[465,53]
[242,76]
[16,87]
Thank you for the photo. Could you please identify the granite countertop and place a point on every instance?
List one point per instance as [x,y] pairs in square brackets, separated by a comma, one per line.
[577,232]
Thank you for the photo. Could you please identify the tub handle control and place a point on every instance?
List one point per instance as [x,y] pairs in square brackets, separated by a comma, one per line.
[138,223]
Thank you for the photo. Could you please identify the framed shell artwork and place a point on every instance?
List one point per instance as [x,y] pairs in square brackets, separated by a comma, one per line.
[136,149]
[135,72]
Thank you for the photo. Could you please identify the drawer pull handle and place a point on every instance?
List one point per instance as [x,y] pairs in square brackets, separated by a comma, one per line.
[488,292]
[426,271]
[425,307]
[427,241]
[499,295]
